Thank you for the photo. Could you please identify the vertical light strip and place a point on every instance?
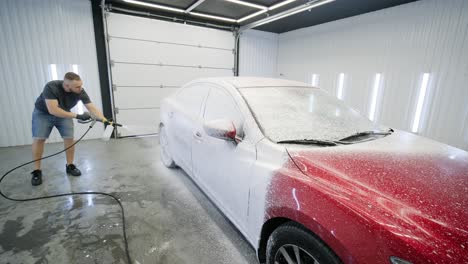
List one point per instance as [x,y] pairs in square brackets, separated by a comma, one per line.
[374,96]
[79,106]
[339,92]
[311,103]
[80,109]
[315,79]
[420,104]
[53,71]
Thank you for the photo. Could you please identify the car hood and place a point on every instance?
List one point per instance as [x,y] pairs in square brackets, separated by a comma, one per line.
[414,187]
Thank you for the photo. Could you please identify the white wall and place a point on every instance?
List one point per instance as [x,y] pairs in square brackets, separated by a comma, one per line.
[35,34]
[401,43]
[258,52]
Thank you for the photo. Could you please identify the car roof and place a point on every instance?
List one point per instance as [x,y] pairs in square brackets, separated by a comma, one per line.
[252,82]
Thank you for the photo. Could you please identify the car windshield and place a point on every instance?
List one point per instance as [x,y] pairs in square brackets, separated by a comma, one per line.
[298,113]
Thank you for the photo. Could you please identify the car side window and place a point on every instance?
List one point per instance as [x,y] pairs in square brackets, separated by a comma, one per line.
[221,105]
[191,98]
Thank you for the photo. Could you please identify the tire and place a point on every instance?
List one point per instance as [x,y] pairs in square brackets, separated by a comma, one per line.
[292,238]
[164,150]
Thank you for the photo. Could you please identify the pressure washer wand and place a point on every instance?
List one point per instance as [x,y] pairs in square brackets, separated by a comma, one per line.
[107,122]
[94,119]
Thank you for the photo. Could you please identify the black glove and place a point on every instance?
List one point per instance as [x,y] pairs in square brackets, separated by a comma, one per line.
[85,116]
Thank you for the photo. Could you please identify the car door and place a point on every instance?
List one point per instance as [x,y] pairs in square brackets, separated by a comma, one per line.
[223,167]
[184,116]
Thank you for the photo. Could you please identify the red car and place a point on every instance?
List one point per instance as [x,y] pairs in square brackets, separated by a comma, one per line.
[307,179]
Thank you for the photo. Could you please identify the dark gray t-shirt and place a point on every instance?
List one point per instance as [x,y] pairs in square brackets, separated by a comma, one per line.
[66,101]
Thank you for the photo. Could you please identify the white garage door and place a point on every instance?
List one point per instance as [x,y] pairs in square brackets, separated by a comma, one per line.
[151,58]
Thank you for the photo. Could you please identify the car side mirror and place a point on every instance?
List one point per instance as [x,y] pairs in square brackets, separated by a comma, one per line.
[221,128]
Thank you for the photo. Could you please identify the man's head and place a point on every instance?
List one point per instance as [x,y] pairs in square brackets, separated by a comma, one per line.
[72,83]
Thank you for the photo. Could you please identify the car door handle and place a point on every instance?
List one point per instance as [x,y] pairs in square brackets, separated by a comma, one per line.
[198,134]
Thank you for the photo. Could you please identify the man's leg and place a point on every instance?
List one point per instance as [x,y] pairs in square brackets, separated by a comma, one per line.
[65,127]
[70,153]
[37,150]
[41,127]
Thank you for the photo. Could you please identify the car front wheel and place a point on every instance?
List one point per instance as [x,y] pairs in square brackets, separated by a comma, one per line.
[293,244]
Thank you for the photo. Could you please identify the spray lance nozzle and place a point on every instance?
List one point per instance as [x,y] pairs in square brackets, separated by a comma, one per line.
[109,129]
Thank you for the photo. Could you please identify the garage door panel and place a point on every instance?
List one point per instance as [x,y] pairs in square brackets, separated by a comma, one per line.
[151,58]
[150,75]
[138,122]
[157,30]
[140,97]
[154,53]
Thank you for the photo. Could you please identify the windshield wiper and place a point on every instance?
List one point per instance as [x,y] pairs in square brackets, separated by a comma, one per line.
[309,142]
[342,141]
[366,133]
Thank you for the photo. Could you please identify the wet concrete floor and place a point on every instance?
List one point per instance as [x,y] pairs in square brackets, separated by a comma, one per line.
[169,220]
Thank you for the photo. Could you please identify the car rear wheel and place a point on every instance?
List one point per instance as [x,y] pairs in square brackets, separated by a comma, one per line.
[166,156]
[293,244]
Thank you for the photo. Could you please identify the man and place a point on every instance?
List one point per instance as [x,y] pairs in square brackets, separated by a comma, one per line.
[52,109]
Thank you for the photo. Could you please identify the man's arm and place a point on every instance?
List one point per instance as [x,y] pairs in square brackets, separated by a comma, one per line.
[54,109]
[94,111]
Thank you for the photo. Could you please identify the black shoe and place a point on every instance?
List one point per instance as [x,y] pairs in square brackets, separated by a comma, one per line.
[36,177]
[73,170]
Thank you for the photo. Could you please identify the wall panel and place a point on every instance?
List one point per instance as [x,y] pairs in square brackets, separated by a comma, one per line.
[258,52]
[401,43]
[36,34]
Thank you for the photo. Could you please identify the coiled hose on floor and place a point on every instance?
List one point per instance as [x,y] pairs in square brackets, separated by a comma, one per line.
[127,252]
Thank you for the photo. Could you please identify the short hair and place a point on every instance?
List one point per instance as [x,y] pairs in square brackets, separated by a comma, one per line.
[72,76]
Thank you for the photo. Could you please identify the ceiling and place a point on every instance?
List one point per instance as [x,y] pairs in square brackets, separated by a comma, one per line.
[335,10]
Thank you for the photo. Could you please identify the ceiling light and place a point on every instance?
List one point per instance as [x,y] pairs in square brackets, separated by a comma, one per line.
[252,15]
[298,11]
[155,6]
[286,13]
[213,17]
[264,10]
[280,4]
[190,8]
[247,4]
[181,10]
